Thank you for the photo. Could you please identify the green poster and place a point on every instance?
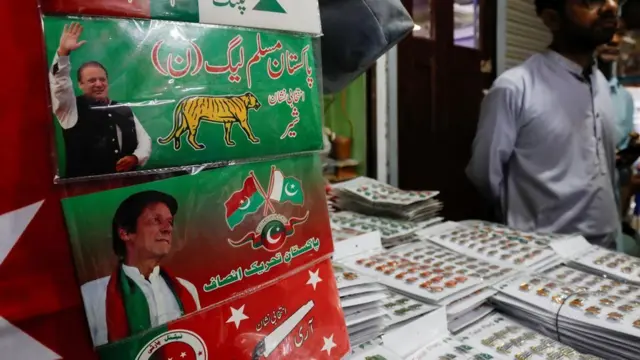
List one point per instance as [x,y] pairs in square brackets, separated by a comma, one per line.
[130,95]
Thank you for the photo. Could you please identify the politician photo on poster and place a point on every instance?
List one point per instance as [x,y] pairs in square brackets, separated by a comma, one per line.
[101,135]
[141,293]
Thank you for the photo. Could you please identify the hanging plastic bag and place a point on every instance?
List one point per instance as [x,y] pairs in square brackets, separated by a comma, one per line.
[355,34]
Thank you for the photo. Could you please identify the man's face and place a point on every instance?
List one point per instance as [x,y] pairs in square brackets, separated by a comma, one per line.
[153,236]
[589,23]
[93,82]
[610,52]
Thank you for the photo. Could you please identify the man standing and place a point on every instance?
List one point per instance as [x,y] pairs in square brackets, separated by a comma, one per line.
[101,136]
[624,107]
[544,152]
[140,293]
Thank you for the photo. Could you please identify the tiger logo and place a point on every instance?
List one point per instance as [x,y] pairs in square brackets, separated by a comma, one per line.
[226,110]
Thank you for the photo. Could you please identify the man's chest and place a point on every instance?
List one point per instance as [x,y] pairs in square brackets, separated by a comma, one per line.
[562,120]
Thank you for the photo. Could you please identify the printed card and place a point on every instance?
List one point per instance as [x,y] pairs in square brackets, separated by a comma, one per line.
[134,95]
[172,247]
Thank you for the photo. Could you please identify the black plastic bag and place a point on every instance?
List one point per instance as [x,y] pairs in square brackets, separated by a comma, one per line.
[355,34]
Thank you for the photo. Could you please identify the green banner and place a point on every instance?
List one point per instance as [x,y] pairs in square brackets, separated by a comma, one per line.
[133,95]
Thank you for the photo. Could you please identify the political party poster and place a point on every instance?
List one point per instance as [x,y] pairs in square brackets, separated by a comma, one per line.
[288,15]
[193,241]
[134,95]
[297,318]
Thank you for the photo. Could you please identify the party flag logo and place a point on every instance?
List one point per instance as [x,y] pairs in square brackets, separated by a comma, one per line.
[273,230]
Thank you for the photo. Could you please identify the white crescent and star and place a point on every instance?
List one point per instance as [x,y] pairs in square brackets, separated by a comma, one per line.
[244,204]
[14,342]
[270,239]
[291,193]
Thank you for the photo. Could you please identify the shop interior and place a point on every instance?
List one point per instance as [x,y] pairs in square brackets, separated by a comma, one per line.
[234,179]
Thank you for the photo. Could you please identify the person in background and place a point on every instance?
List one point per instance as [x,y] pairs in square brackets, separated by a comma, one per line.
[544,151]
[623,105]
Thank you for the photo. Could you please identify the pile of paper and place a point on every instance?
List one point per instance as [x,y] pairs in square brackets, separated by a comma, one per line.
[495,243]
[495,337]
[346,224]
[427,272]
[590,313]
[362,300]
[499,337]
[469,310]
[371,197]
[401,310]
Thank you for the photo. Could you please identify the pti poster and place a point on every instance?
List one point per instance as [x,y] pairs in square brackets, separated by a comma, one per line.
[193,241]
[298,318]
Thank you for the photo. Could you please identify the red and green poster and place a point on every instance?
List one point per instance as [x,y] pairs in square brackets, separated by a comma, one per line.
[297,318]
[136,95]
[173,247]
[288,15]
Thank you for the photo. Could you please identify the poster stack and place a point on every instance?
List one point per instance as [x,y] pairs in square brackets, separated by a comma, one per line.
[232,259]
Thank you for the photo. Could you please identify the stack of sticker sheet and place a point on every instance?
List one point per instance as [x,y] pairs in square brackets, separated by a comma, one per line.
[612,264]
[428,272]
[401,310]
[362,300]
[590,313]
[346,224]
[494,337]
[371,197]
[469,309]
[499,337]
[495,243]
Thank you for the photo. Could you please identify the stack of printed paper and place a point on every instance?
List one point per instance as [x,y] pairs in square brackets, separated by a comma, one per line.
[590,313]
[346,224]
[499,337]
[495,244]
[427,271]
[371,197]
[362,303]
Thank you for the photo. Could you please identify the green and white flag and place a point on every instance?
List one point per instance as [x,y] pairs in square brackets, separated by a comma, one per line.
[285,189]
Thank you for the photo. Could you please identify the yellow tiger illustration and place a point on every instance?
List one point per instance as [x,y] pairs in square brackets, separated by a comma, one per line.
[225,110]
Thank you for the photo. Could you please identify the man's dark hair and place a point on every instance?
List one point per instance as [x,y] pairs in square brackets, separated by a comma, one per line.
[90,63]
[126,216]
[548,4]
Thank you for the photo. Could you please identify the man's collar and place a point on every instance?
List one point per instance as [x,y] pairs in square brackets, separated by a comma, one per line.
[568,64]
[134,273]
[614,84]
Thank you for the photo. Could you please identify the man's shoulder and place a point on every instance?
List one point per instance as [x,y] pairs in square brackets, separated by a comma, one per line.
[95,289]
[516,78]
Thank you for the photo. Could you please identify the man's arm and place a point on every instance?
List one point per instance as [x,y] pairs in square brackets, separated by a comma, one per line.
[143,151]
[63,98]
[495,139]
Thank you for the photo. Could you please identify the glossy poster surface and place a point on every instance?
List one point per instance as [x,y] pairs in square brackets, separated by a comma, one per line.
[203,238]
[157,94]
[288,15]
[297,318]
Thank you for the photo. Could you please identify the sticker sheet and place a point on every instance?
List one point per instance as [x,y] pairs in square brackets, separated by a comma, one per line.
[296,318]
[201,238]
[134,95]
[428,271]
[288,15]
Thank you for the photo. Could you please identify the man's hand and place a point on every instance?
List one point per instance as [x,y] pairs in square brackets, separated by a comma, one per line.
[69,39]
[126,163]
